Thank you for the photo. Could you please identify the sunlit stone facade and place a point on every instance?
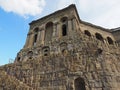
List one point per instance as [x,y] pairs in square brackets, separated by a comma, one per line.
[62,52]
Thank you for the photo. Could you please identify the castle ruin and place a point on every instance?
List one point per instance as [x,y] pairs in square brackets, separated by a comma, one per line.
[62,52]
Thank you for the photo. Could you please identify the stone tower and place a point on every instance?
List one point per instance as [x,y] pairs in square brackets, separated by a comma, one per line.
[62,52]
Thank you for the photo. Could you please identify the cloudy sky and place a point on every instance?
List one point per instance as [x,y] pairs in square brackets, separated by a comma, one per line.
[15,15]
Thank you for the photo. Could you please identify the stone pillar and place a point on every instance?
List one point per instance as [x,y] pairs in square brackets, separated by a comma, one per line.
[59,30]
[69,29]
[55,31]
[74,22]
[42,36]
[39,38]
[31,38]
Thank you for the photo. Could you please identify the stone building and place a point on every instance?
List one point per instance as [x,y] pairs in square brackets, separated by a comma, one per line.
[62,52]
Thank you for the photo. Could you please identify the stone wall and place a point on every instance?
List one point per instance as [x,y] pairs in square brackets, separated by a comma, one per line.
[66,57]
[85,58]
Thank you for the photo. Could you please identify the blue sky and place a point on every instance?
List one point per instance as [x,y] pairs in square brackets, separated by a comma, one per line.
[15,16]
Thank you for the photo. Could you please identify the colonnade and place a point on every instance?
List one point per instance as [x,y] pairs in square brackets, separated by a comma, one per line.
[56,32]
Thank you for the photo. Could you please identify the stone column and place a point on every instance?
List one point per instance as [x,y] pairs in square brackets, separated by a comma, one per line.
[31,40]
[59,30]
[74,22]
[55,31]
[39,38]
[42,36]
[69,29]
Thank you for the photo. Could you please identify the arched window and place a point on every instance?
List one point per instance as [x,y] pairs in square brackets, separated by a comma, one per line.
[87,33]
[64,30]
[110,41]
[48,32]
[35,39]
[64,21]
[35,35]
[99,36]
[79,84]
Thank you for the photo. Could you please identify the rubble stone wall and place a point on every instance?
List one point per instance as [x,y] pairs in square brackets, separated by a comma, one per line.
[71,60]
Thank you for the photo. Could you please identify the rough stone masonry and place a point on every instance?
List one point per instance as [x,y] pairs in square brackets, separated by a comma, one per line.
[62,52]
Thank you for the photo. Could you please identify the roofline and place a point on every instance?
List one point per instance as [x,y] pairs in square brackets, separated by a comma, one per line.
[90,24]
[83,22]
[115,29]
[96,26]
[70,6]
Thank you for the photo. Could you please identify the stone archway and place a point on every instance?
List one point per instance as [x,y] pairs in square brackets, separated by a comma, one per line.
[79,84]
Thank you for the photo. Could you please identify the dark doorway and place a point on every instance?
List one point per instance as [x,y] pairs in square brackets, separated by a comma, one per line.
[79,84]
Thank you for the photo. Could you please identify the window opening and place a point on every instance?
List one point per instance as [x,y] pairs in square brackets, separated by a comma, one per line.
[110,41]
[64,30]
[99,36]
[46,50]
[35,39]
[87,33]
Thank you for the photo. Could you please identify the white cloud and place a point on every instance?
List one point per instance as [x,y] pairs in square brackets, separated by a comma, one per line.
[23,7]
[104,13]
[109,19]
